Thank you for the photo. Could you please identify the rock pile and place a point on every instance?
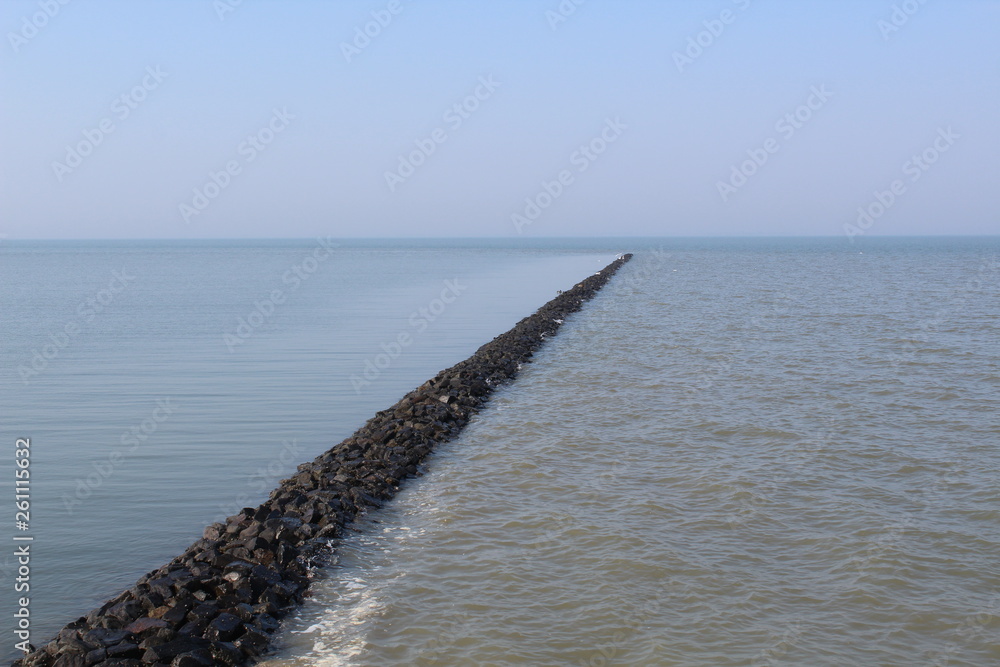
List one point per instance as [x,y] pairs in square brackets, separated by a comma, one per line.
[219,603]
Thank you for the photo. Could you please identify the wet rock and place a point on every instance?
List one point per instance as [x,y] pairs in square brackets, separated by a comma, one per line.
[266,624]
[175,614]
[225,653]
[170,650]
[204,612]
[125,650]
[73,646]
[96,656]
[224,627]
[200,658]
[103,637]
[70,660]
[157,637]
[126,611]
[252,643]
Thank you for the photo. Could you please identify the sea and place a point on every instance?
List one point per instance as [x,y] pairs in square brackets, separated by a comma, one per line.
[742,451]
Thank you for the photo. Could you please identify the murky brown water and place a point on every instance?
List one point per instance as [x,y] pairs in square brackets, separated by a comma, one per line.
[729,458]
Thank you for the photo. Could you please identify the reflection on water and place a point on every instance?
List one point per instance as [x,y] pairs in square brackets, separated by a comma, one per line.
[120,486]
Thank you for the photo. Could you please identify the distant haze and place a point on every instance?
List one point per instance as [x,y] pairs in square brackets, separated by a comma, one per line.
[476,118]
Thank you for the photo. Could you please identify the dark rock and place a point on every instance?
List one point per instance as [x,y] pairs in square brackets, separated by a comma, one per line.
[268,608]
[167,652]
[70,660]
[157,637]
[215,531]
[241,552]
[193,628]
[266,624]
[176,614]
[244,593]
[244,611]
[151,600]
[67,634]
[285,590]
[73,646]
[97,655]
[228,601]
[103,637]
[252,643]
[204,612]
[125,650]
[199,658]
[146,623]
[263,557]
[261,577]
[225,653]
[286,553]
[224,628]
[253,530]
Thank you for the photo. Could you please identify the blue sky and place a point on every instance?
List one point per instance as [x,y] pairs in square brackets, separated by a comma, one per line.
[218,118]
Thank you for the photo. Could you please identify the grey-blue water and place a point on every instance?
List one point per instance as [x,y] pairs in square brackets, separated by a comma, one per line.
[741,452]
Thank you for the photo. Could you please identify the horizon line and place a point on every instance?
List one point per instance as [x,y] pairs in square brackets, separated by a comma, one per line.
[4,239]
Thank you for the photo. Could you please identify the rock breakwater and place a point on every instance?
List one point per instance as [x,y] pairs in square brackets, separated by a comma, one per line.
[220,602]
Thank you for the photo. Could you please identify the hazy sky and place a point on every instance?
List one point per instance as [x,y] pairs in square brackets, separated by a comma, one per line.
[208,119]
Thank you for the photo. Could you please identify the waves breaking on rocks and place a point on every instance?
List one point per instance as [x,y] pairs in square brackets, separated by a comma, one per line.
[220,602]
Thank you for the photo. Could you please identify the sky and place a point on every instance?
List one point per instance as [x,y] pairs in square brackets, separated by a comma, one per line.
[198,119]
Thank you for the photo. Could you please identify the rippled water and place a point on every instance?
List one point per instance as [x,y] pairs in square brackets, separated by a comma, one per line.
[740,453]
[737,454]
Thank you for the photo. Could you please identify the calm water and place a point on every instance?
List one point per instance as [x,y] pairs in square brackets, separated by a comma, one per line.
[149,423]
[740,453]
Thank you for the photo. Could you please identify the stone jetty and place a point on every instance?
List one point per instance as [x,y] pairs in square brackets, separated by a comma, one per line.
[220,602]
